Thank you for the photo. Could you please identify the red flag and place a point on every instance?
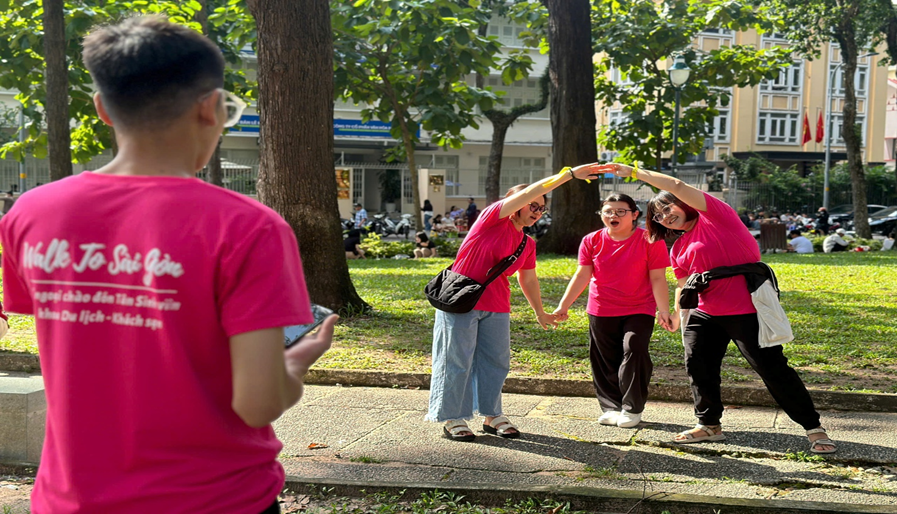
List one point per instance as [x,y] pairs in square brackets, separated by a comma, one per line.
[820,129]
[807,136]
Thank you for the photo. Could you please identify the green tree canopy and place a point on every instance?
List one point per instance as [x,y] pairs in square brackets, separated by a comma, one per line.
[408,62]
[22,62]
[635,37]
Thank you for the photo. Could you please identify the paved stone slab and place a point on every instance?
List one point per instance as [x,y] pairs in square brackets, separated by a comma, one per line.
[538,450]
[333,426]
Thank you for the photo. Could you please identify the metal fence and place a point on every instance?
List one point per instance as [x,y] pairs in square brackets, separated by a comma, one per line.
[756,196]
[238,175]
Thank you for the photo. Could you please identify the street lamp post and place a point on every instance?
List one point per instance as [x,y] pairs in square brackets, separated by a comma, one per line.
[679,73]
[828,128]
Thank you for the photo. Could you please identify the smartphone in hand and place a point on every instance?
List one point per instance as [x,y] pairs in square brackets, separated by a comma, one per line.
[294,333]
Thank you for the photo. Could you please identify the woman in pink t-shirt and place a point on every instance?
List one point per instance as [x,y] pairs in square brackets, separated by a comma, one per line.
[627,281]
[711,235]
[472,351]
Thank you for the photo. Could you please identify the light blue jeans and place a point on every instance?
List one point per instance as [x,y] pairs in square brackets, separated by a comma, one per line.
[471,359]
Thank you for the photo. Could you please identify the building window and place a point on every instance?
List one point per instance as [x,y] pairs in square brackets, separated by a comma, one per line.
[789,80]
[860,81]
[507,32]
[514,170]
[524,91]
[618,77]
[617,118]
[719,127]
[838,129]
[777,127]
[722,32]
[449,163]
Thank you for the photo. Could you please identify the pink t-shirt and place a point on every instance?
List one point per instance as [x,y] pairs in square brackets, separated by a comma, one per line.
[621,285]
[719,238]
[490,240]
[136,284]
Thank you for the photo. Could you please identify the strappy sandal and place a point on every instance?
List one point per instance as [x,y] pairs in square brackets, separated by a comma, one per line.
[712,435]
[501,427]
[453,429]
[814,445]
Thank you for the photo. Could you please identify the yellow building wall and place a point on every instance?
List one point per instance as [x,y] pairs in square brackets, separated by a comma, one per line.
[746,103]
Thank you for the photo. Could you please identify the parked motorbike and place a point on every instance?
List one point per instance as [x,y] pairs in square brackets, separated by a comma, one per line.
[405,225]
[382,224]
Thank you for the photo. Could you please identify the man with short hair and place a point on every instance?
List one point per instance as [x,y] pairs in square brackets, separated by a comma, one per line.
[361,216]
[799,243]
[835,242]
[472,213]
[160,300]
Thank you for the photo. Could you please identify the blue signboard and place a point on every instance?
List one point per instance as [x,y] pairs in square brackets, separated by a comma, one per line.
[358,128]
[248,124]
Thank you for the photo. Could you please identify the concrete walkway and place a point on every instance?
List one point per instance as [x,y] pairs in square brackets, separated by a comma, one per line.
[369,438]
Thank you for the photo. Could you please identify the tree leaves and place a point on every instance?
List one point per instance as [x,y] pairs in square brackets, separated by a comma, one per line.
[21,60]
[635,37]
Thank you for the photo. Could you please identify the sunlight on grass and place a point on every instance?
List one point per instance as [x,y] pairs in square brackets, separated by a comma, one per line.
[842,309]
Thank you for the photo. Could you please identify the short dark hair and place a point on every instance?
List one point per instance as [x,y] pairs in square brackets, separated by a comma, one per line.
[422,236]
[794,233]
[657,231]
[620,197]
[150,71]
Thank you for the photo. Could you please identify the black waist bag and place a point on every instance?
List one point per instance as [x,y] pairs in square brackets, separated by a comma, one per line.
[453,292]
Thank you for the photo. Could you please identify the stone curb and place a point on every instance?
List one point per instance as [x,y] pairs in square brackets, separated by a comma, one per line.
[834,400]
[825,400]
[585,498]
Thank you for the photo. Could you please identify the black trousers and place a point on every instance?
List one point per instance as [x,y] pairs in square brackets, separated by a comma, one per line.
[706,338]
[621,365]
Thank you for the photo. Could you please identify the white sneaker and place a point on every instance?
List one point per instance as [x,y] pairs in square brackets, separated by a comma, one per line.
[628,420]
[609,418]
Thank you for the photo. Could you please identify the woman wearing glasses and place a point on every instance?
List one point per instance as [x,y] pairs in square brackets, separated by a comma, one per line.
[627,282]
[712,235]
[472,351]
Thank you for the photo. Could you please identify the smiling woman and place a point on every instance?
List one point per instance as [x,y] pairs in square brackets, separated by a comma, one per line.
[471,350]
[627,274]
[714,238]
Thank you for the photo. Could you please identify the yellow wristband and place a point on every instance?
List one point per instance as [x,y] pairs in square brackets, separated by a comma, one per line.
[559,176]
[634,174]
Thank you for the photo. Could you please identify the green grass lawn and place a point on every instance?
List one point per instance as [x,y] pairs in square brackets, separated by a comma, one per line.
[843,309]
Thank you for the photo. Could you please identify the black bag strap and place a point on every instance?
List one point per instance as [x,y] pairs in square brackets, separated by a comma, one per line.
[505,263]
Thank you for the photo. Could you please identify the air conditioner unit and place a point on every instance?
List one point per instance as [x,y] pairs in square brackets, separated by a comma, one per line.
[607,156]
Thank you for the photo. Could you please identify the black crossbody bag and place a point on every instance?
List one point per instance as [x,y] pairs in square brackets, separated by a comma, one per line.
[453,292]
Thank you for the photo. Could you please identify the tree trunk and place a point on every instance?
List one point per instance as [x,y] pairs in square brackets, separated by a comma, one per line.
[890,27]
[214,167]
[493,171]
[59,137]
[573,205]
[415,181]
[214,164]
[296,174]
[852,139]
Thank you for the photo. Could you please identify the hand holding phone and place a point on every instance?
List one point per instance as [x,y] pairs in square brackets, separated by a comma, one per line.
[293,334]
[302,354]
